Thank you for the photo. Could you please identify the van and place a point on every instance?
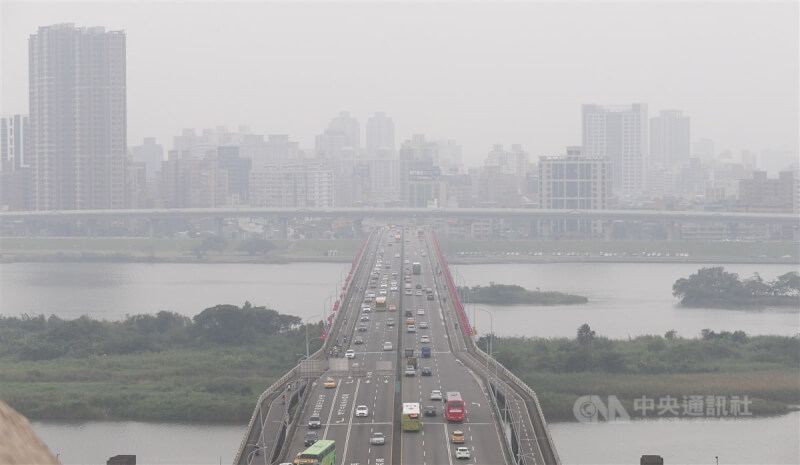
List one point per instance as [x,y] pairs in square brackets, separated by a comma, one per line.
[411,329]
[410,371]
[426,352]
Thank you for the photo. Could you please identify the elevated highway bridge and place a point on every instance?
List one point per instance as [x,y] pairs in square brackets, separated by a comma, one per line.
[503,421]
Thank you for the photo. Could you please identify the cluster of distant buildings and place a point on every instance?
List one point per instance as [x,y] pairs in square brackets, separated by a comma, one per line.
[71,152]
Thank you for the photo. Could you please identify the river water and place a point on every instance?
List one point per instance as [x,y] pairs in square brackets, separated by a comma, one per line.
[624,300]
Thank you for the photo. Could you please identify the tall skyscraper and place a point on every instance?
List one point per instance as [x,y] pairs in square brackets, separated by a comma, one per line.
[619,132]
[380,136]
[77,88]
[669,139]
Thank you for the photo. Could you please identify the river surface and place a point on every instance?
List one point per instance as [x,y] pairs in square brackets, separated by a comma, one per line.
[624,300]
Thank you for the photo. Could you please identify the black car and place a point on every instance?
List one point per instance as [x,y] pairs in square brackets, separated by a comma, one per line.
[408,313]
[358,340]
[418,286]
[310,438]
[430,411]
[362,328]
[426,371]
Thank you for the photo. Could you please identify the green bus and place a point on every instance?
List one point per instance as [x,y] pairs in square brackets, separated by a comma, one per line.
[322,452]
[411,419]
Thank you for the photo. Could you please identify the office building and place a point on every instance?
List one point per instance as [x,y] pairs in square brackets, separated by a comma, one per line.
[575,183]
[77,98]
[620,133]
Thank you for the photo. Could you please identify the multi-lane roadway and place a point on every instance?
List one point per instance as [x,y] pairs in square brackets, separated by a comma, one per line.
[375,378]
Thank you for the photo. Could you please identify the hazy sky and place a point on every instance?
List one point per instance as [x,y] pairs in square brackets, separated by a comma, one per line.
[479,73]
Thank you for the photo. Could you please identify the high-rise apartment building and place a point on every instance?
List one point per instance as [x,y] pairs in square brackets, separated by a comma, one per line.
[296,184]
[14,142]
[149,153]
[619,132]
[341,138]
[14,158]
[77,98]
[380,136]
[670,142]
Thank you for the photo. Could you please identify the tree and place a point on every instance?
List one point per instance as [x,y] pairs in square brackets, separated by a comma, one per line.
[712,282]
[786,285]
[585,335]
[256,246]
[756,287]
[671,334]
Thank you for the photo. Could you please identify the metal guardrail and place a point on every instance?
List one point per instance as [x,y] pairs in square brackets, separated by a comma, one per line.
[295,371]
[479,353]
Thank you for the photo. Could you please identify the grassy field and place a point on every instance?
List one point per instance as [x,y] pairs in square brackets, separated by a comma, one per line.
[168,250]
[209,385]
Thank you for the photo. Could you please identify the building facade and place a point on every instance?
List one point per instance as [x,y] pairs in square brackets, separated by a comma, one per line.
[574,182]
[670,139]
[620,133]
[77,98]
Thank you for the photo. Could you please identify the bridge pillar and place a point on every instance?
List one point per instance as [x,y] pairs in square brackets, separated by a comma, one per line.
[357,225]
[219,224]
[283,228]
[152,224]
[673,231]
[608,230]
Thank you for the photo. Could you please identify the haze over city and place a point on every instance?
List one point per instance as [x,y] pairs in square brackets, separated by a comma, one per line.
[478,73]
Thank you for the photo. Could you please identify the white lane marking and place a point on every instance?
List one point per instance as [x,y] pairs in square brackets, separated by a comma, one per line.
[350,422]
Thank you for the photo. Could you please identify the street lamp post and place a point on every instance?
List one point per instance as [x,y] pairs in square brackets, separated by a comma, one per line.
[306,325]
[491,331]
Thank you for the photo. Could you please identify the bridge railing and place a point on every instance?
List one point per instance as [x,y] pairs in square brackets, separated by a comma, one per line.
[477,351]
[280,383]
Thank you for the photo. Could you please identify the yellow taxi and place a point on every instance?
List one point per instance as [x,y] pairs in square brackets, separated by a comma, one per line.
[329,383]
[457,437]
[410,320]
[392,308]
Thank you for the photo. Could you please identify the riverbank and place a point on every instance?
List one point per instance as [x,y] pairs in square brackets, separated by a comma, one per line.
[184,250]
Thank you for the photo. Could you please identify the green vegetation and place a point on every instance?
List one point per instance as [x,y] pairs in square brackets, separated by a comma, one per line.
[163,367]
[764,368]
[716,287]
[505,294]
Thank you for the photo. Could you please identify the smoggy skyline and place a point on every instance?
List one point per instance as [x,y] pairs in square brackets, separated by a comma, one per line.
[477,73]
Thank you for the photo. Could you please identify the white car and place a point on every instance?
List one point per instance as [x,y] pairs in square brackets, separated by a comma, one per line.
[425,339]
[350,353]
[462,453]
[362,411]
[420,311]
[377,439]
[423,325]
[387,346]
[436,394]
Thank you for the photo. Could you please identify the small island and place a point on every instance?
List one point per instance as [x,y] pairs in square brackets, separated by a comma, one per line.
[505,294]
[715,287]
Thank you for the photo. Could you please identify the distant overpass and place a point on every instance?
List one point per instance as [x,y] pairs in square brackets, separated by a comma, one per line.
[781,219]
